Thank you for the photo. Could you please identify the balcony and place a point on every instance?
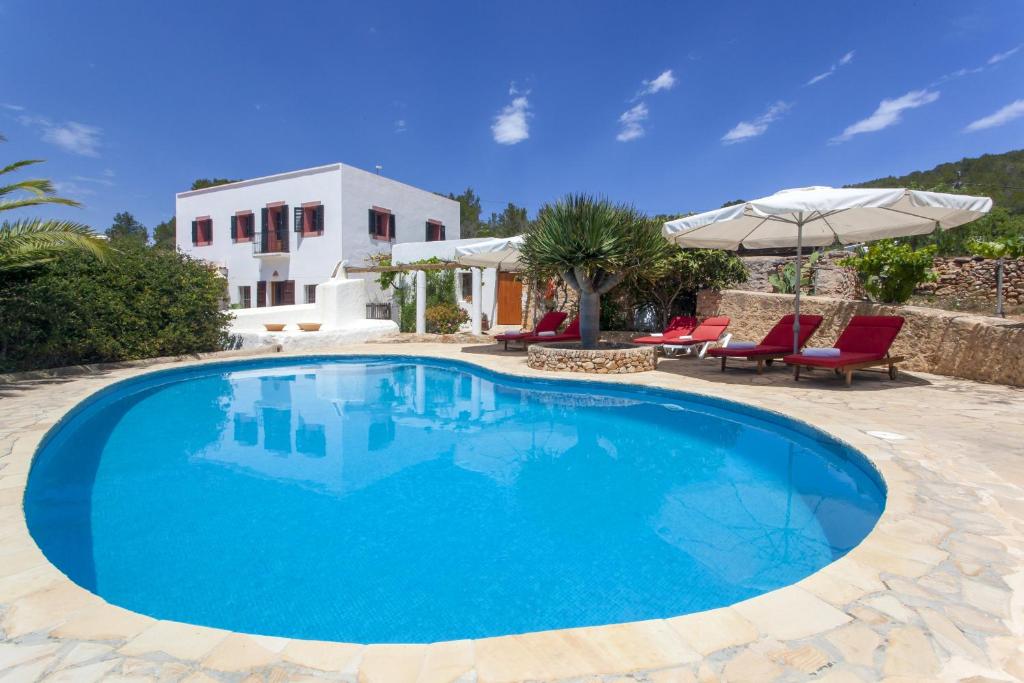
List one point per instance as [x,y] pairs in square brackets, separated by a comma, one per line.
[270,244]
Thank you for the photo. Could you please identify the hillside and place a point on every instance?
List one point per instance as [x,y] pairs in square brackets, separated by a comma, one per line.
[1000,176]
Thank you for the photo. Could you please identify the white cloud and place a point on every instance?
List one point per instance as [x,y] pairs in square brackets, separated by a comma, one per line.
[1000,56]
[822,76]
[744,130]
[632,121]
[12,107]
[843,61]
[71,136]
[1012,111]
[105,180]
[664,81]
[888,113]
[511,125]
[400,126]
[69,188]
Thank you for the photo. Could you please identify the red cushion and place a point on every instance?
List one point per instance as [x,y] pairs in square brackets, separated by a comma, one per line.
[844,358]
[782,333]
[681,322]
[709,330]
[549,323]
[759,350]
[870,334]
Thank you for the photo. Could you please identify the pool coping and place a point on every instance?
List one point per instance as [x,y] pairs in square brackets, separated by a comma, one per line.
[41,599]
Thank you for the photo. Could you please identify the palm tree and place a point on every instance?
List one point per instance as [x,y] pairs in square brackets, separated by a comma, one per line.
[30,241]
[593,245]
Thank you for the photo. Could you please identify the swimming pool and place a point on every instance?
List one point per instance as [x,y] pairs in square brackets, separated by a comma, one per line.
[390,499]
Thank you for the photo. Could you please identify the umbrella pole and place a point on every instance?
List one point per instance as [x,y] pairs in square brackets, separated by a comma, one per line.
[799,281]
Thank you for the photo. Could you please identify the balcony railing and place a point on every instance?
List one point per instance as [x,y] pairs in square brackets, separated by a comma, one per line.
[272,243]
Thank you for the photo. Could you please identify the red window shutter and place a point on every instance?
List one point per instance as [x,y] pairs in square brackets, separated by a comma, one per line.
[287,293]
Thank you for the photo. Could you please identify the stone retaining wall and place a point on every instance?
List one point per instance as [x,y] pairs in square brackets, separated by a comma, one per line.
[597,361]
[941,342]
[961,279]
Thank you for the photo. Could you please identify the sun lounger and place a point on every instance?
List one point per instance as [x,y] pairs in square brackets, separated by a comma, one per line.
[710,331]
[677,327]
[549,323]
[776,344]
[570,333]
[863,344]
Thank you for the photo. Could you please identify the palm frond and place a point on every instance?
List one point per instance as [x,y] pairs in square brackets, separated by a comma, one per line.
[35,201]
[19,164]
[33,241]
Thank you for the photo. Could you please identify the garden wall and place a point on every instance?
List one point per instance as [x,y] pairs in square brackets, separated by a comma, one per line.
[963,280]
[941,342]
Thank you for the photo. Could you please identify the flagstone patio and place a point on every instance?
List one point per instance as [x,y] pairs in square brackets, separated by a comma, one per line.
[935,592]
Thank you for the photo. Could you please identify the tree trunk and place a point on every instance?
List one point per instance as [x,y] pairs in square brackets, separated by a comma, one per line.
[590,318]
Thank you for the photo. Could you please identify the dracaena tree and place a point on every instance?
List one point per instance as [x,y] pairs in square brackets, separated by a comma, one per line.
[593,245]
[27,242]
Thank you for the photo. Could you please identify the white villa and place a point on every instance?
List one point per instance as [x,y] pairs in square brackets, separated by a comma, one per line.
[277,237]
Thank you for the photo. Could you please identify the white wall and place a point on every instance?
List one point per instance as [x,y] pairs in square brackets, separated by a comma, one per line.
[310,260]
[346,193]
[412,208]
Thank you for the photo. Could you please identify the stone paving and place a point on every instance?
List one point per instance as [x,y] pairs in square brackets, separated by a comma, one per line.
[934,593]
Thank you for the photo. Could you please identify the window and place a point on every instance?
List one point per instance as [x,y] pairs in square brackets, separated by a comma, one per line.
[310,294]
[309,219]
[243,226]
[466,285]
[261,294]
[202,231]
[382,224]
[435,231]
[282,293]
[245,297]
[273,229]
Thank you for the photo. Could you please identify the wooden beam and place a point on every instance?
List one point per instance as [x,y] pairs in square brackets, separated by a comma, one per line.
[404,268]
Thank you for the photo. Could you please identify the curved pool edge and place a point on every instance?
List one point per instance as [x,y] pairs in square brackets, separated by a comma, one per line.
[812,601]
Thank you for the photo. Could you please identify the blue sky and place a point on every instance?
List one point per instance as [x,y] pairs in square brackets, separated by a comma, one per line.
[671,106]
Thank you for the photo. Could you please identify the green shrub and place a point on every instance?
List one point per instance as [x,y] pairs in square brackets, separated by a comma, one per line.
[138,303]
[445,318]
[890,271]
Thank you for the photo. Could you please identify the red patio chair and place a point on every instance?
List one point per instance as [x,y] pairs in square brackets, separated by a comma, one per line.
[863,344]
[778,343]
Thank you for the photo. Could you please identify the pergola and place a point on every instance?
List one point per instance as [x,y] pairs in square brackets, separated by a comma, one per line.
[420,269]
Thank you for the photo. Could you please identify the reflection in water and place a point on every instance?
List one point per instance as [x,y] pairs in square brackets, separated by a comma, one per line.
[414,502]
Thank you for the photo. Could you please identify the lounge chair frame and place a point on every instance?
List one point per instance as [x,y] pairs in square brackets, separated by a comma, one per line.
[848,370]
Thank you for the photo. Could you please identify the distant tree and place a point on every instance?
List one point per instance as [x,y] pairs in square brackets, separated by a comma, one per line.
[511,221]
[203,183]
[126,227]
[164,234]
[734,202]
[469,209]
[999,250]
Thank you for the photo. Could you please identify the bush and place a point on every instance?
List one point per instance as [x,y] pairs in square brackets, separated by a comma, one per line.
[890,271]
[139,303]
[445,318]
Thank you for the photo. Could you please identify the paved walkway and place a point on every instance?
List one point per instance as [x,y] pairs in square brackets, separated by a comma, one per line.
[935,592]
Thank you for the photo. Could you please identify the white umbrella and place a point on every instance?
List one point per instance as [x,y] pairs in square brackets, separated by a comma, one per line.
[821,216]
[500,252]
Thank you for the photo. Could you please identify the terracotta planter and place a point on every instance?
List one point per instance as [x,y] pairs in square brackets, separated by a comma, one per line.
[274,327]
[309,327]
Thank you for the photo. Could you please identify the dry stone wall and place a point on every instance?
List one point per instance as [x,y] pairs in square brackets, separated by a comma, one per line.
[557,357]
[974,347]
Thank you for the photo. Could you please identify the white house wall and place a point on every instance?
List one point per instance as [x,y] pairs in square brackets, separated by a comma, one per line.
[346,194]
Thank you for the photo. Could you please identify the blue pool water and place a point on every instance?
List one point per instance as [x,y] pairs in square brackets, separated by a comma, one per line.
[414,500]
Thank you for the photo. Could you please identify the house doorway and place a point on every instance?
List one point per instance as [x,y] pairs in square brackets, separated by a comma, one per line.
[282,293]
[510,299]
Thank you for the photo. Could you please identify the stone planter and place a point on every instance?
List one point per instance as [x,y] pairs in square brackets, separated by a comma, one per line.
[611,359]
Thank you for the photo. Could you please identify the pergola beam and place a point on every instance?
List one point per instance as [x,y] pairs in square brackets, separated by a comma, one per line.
[404,268]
